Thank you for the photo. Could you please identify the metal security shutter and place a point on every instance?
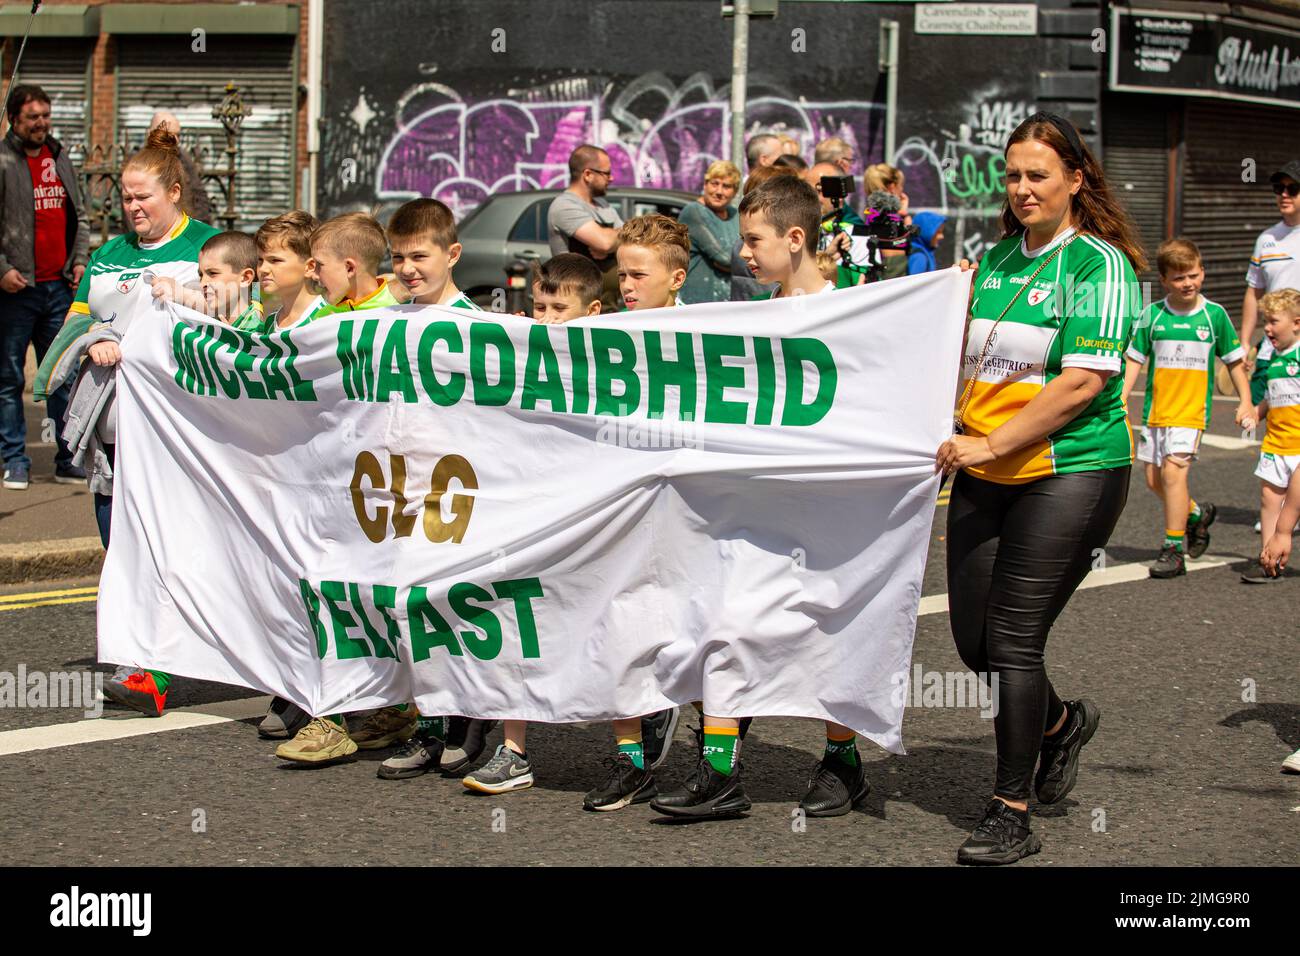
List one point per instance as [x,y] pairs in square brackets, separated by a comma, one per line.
[162,72]
[61,67]
[1135,155]
[1221,213]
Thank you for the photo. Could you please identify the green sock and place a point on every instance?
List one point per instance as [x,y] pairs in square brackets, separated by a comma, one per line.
[845,750]
[336,719]
[1194,511]
[633,747]
[160,680]
[1174,539]
[720,746]
[401,708]
[431,727]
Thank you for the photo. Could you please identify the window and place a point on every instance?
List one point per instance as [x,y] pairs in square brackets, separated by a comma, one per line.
[531,226]
[646,207]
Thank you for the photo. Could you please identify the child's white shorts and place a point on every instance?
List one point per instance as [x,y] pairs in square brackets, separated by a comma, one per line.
[1157,442]
[1277,469]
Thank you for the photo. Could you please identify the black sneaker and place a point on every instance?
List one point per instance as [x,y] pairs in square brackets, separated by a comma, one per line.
[417,756]
[283,720]
[657,736]
[1003,836]
[1257,575]
[1170,564]
[708,795]
[835,788]
[1058,762]
[69,474]
[1198,532]
[624,785]
[466,741]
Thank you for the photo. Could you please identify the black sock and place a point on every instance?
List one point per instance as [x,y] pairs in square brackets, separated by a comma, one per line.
[1065,725]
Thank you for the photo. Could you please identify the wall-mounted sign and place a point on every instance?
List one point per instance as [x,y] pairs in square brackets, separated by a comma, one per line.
[1156,51]
[978,19]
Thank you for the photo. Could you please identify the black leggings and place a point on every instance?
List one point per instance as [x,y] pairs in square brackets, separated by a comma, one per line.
[1016,553]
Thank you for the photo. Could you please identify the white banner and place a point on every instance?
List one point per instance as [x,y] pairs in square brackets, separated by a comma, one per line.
[727,502]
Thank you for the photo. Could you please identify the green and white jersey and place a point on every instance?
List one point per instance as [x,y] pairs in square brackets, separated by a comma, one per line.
[122,270]
[1078,313]
[462,301]
[1283,397]
[1183,346]
[314,307]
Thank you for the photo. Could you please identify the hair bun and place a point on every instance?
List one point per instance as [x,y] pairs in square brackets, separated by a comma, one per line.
[162,138]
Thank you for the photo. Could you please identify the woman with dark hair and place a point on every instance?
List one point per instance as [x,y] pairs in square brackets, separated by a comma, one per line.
[1042,454]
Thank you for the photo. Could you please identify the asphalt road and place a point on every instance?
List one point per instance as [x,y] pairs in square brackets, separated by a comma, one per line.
[1183,770]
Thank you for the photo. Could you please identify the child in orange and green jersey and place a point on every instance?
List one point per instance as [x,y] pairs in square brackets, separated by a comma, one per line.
[1181,335]
[227,270]
[1279,454]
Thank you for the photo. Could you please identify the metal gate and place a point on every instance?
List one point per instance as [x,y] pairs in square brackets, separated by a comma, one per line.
[150,77]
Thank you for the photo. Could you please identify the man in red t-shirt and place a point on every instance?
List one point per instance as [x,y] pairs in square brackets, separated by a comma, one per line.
[44,246]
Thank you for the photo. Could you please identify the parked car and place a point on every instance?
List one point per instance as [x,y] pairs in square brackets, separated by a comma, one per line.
[510,226]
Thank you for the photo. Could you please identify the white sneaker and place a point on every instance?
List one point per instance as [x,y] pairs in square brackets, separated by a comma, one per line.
[1292,763]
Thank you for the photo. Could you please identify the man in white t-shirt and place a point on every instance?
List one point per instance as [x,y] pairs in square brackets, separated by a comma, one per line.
[1275,263]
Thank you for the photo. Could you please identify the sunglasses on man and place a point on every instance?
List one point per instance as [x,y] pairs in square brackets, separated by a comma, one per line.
[1291,189]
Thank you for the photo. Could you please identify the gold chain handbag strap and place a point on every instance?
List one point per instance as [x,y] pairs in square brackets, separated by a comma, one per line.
[959,419]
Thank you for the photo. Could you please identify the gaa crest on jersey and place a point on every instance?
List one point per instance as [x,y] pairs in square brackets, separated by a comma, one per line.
[1037,295]
[126,281]
[1292,368]
[1202,334]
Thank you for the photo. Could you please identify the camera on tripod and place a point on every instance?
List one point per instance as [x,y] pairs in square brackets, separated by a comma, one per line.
[882,227]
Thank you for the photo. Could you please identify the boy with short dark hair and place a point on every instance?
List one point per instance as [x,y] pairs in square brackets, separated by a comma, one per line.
[227,270]
[779,223]
[422,241]
[566,287]
[1181,335]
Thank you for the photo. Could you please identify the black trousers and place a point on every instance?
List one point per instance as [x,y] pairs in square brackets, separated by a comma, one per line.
[1016,553]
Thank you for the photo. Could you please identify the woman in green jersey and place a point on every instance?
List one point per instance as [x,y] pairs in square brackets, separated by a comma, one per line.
[162,247]
[1042,456]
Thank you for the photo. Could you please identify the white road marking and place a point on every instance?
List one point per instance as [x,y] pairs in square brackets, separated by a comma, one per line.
[1226,441]
[104,729]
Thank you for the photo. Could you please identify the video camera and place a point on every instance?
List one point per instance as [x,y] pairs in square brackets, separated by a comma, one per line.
[883,227]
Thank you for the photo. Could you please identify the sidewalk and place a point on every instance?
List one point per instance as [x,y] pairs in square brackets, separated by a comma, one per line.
[47,531]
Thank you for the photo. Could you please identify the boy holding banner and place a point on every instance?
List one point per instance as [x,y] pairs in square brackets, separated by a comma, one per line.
[348,250]
[285,267]
[779,223]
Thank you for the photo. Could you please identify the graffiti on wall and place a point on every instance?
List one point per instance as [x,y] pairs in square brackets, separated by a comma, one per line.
[433,141]
[658,133]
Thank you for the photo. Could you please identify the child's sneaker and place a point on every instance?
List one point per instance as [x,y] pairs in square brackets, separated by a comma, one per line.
[283,719]
[1170,564]
[1198,532]
[417,756]
[466,741]
[625,784]
[320,741]
[657,736]
[506,771]
[136,689]
[385,727]
[1292,763]
[1256,574]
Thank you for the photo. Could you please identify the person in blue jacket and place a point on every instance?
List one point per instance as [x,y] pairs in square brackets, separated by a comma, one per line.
[920,251]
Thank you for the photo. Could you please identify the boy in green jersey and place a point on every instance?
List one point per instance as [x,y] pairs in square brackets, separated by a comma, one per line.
[422,239]
[1181,335]
[227,270]
[348,250]
[285,269]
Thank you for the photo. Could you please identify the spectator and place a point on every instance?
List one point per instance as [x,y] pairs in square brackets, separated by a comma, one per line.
[789,145]
[194,200]
[1275,263]
[836,226]
[882,176]
[836,152]
[44,247]
[792,162]
[743,284]
[715,230]
[762,150]
[582,221]
[920,251]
